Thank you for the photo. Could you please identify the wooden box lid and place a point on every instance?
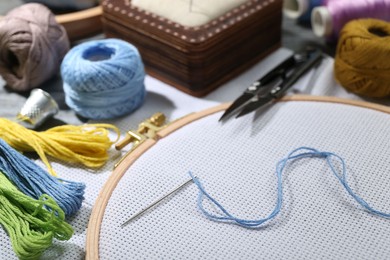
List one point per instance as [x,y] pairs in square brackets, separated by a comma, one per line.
[197,59]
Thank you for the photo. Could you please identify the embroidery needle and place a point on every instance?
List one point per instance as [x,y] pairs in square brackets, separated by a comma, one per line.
[156,202]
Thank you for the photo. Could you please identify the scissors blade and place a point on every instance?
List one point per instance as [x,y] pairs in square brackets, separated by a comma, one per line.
[279,90]
[260,84]
[252,106]
[245,97]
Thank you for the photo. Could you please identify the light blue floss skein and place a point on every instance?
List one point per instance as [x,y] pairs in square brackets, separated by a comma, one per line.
[34,181]
[299,153]
[103,79]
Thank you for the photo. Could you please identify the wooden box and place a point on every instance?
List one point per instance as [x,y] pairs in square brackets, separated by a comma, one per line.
[197,59]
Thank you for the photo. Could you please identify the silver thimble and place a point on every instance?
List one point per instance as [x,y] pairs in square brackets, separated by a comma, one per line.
[37,109]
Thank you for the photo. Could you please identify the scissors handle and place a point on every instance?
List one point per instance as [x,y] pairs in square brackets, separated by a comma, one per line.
[275,73]
[279,90]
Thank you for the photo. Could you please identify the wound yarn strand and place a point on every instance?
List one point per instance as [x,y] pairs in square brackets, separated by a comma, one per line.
[31,224]
[103,79]
[34,181]
[86,144]
[32,46]
[362,58]
[299,153]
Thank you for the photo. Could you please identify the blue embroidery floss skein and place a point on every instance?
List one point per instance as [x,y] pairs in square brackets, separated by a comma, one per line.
[33,181]
[103,79]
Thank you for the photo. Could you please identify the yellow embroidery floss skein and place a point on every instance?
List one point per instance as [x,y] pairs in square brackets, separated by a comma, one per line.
[86,144]
[362,59]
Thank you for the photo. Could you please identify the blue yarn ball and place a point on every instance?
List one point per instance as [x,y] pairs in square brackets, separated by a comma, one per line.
[103,78]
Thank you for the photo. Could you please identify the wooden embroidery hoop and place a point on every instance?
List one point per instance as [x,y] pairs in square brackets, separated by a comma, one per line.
[94,225]
[81,24]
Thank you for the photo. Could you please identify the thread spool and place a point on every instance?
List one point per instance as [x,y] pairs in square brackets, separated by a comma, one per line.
[32,45]
[300,9]
[328,20]
[103,79]
[362,58]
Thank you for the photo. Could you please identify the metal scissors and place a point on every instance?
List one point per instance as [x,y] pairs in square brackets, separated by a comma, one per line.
[275,83]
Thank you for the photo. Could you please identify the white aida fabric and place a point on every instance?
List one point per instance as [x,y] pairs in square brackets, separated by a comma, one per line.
[175,104]
[236,163]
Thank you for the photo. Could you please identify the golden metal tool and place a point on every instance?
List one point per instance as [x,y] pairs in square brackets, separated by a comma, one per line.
[146,130]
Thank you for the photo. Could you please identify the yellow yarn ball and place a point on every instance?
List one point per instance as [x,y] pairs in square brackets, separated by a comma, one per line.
[362,62]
